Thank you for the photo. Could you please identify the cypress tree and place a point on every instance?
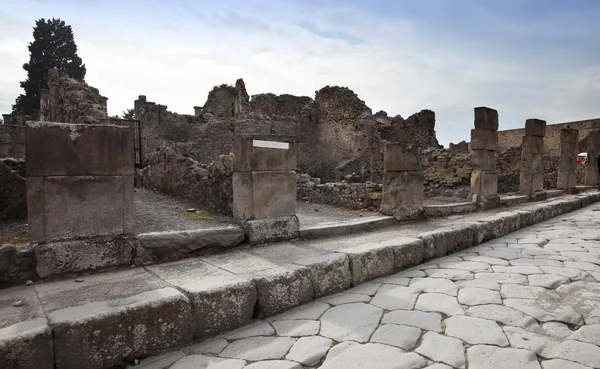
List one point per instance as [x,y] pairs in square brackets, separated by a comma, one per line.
[53,46]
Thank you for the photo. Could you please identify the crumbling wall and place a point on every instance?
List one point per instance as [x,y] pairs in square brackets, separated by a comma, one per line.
[421,126]
[279,105]
[13,196]
[447,173]
[357,196]
[12,141]
[207,185]
[72,101]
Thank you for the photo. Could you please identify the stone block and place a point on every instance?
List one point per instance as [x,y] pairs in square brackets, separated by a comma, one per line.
[108,333]
[258,195]
[563,181]
[271,229]
[530,182]
[408,251]
[280,290]
[569,135]
[537,183]
[594,138]
[88,207]
[401,158]
[329,273]
[535,127]
[533,145]
[247,157]
[486,118]
[533,163]
[484,184]
[483,160]
[27,345]
[370,261]
[429,246]
[220,304]
[59,149]
[63,257]
[483,139]
[403,194]
[458,237]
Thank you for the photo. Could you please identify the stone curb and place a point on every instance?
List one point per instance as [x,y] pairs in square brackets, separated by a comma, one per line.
[339,229]
[155,321]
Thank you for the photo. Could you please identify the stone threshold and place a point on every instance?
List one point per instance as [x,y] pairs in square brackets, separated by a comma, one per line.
[111,319]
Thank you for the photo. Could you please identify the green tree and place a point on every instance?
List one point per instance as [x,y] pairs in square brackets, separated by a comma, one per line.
[53,46]
[128,114]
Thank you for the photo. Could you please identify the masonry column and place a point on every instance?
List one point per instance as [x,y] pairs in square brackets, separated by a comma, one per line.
[591,169]
[402,182]
[532,157]
[484,145]
[79,195]
[264,187]
[567,163]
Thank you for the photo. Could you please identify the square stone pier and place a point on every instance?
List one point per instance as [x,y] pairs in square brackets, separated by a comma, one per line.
[531,178]
[79,195]
[591,169]
[403,178]
[484,145]
[567,162]
[264,187]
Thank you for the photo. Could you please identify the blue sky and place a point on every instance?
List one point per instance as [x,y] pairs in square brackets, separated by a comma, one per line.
[525,58]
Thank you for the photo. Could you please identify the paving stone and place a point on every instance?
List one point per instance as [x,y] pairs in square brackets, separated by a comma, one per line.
[309,350]
[369,289]
[296,328]
[565,272]
[398,279]
[475,331]
[469,266]
[427,321]
[260,328]
[491,357]
[258,348]
[506,255]
[400,336]
[502,278]
[589,256]
[487,259]
[588,333]
[523,269]
[162,361]
[546,310]
[213,346]
[562,247]
[374,355]
[562,364]
[590,267]
[201,361]
[438,366]
[411,273]
[550,281]
[350,322]
[502,314]
[272,364]
[478,296]
[517,291]
[310,311]
[392,297]
[557,330]
[439,303]
[436,285]
[478,283]
[443,349]
[535,262]
[345,298]
[451,274]
[537,252]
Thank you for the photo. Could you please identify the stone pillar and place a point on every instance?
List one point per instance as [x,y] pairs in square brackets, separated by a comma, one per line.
[7,119]
[591,169]
[532,157]
[79,181]
[484,145]
[197,111]
[403,178]
[264,187]
[567,163]
[44,104]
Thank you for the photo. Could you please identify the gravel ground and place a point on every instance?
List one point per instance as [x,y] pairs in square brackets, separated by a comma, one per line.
[312,214]
[13,231]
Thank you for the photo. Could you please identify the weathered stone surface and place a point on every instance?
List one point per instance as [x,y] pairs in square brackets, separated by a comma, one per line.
[403,194]
[484,139]
[436,285]
[373,355]
[401,336]
[502,314]
[309,350]
[249,158]
[310,311]
[547,310]
[551,281]
[370,261]
[438,302]
[201,361]
[13,194]
[281,290]
[329,273]
[26,345]
[562,364]
[271,229]
[296,328]
[268,194]
[533,145]
[260,328]
[478,296]
[475,331]
[220,303]
[162,361]
[484,184]
[346,298]
[443,349]
[351,322]
[490,357]
[391,297]
[274,364]
[426,321]
[259,348]
[73,256]
[486,118]
[213,347]
[408,251]
[401,158]
[483,160]
[588,333]
[144,324]
[535,127]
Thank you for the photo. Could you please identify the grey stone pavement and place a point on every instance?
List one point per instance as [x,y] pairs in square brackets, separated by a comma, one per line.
[530,299]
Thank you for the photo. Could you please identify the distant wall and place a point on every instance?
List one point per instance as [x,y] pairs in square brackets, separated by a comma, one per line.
[12,141]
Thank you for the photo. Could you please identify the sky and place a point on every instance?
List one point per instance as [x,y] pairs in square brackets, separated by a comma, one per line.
[525,58]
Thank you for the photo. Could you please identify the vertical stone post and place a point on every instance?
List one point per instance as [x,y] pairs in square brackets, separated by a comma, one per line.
[44,104]
[264,187]
[79,181]
[402,182]
[567,162]
[532,157]
[484,145]
[591,169]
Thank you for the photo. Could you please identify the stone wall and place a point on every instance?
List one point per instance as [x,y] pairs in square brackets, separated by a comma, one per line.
[513,137]
[13,195]
[12,141]
[357,196]
[207,185]
[278,105]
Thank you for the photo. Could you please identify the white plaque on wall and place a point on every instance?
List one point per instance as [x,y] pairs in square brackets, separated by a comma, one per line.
[271,144]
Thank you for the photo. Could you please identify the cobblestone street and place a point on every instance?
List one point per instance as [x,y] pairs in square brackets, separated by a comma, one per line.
[527,300]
